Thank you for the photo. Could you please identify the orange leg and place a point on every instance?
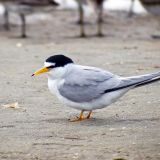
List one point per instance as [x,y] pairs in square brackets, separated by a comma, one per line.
[80,118]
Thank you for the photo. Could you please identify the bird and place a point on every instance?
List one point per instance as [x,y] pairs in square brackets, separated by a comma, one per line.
[22,8]
[152,6]
[88,88]
[99,9]
[22,11]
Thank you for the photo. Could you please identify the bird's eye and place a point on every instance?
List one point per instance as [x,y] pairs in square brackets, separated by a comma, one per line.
[49,67]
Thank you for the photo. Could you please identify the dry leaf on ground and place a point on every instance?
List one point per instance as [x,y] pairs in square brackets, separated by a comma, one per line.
[11,105]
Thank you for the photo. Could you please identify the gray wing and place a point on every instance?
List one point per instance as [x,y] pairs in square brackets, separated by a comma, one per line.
[86,84]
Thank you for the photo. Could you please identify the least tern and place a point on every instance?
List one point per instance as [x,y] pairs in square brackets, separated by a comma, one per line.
[88,88]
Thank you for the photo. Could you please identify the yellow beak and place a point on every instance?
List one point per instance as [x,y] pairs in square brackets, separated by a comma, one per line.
[41,70]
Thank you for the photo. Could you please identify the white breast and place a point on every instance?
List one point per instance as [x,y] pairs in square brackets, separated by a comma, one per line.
[53,87]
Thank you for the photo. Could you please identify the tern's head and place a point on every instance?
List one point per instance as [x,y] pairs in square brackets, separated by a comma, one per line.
[54,64]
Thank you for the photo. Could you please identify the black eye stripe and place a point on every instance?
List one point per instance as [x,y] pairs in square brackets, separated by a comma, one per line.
[50,67]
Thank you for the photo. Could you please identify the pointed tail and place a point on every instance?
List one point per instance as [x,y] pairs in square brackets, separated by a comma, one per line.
[135,81]
[138,81]
[148,82]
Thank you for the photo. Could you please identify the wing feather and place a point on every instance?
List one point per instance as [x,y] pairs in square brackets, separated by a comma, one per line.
[86,84]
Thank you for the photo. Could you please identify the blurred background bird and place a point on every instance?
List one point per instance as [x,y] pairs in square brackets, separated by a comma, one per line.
[152,6]
[84,8]
[22,8]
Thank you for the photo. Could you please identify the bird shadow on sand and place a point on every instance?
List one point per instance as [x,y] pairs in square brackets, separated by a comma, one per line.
[88,36]
[110,121]
[79,23]
[19,37]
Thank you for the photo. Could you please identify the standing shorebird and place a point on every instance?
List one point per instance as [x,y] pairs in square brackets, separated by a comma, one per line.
[88,88]
[22,8]
[152,6]
[98,4]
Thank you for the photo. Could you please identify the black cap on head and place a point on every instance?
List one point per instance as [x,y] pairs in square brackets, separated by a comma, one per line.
[59,60]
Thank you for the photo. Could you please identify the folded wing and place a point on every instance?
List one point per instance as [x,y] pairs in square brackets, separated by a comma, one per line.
[86,84]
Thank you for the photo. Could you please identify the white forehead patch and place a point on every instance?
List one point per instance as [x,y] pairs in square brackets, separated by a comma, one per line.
[47,64]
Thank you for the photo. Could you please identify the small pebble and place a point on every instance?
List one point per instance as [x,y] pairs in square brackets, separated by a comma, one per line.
[19,45]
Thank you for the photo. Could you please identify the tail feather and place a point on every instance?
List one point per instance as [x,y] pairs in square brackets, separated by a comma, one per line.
[147,82]
[141,80]
[136,81]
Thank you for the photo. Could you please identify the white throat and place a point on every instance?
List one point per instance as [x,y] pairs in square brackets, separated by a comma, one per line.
[56,73]
[59,72]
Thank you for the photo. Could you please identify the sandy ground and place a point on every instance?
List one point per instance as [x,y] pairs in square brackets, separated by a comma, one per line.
[39,129]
